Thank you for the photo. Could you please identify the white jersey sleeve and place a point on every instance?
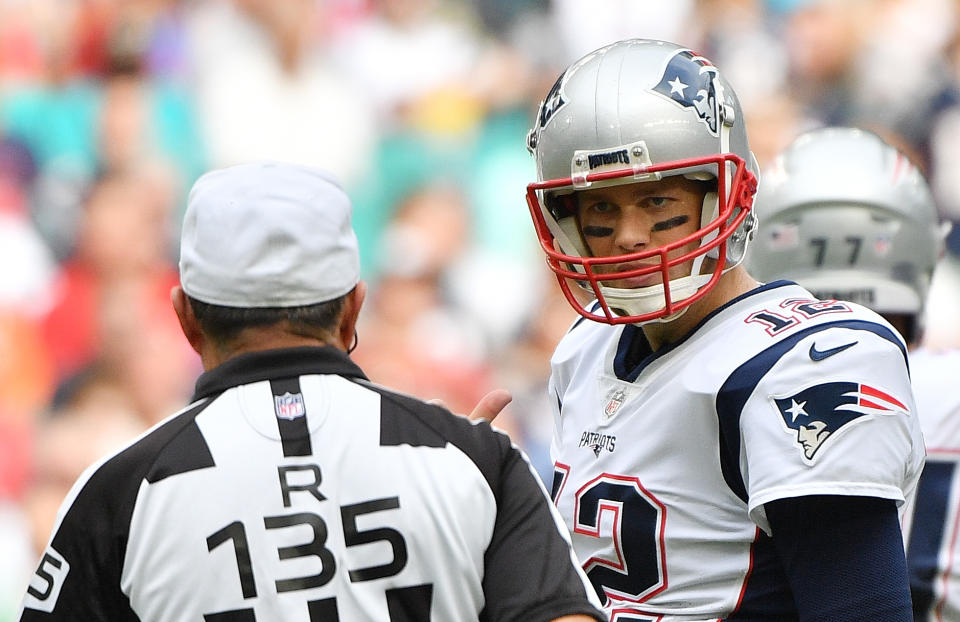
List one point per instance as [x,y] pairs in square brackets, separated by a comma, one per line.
[834,415]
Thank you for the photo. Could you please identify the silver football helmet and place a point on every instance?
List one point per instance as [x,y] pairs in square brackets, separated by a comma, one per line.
[849,217]
[632,112]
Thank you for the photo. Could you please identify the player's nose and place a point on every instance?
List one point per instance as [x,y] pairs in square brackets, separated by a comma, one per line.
[633,231]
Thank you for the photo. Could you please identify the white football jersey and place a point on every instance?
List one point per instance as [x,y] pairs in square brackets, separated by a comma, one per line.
[932,524]
[295,490]
[663,460]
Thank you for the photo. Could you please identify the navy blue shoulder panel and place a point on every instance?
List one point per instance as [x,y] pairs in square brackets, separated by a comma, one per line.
[739,386]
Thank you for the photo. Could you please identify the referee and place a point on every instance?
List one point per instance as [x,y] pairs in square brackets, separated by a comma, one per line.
[291,488]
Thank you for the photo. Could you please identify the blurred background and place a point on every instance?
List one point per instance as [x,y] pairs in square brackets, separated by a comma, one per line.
[110,110]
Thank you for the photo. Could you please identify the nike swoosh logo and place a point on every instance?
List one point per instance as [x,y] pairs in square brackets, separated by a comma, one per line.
[819,355]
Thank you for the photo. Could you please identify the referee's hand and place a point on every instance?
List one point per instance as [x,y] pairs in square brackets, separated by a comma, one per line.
[489,406]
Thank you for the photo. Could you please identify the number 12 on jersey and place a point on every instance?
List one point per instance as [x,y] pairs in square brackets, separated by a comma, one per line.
[637,569]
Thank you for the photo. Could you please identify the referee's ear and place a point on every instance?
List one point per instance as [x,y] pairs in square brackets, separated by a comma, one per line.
[347,329]
[188,321]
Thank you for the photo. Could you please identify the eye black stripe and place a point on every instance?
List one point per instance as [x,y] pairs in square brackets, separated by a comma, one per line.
[594,231]
[670,223]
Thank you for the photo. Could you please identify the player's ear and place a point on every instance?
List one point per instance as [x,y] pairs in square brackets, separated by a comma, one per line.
[188,321]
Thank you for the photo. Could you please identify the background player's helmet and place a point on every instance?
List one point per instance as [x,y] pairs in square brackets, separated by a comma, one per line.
[849,217]
[636,111]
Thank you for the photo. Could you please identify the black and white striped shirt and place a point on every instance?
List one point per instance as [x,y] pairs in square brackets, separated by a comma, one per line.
[294,489]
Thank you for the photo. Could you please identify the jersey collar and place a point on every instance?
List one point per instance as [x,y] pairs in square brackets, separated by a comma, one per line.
[633,353]
[279,363]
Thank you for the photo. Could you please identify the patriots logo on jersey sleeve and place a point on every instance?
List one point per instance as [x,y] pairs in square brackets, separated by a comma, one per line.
[691,81]
[821,410]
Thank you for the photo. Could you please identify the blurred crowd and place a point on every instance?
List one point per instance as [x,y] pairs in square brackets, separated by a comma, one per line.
[110,110]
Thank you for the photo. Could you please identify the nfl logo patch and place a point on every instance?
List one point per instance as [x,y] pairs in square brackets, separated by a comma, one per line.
[289,406]
[614,404]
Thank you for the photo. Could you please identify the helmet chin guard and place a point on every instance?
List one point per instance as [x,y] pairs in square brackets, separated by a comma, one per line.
[664,301]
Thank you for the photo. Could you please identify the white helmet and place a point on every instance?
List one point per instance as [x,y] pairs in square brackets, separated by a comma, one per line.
[849,217]
[636,111]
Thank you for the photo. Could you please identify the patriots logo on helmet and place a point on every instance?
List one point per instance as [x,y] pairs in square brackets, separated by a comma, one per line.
[816,413]
[548,107]
[690,80]
[552,102]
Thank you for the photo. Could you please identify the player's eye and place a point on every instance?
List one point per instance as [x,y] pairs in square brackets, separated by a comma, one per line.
[658,202]
[601,207]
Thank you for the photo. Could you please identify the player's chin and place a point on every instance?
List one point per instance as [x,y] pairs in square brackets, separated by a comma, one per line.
[646,280]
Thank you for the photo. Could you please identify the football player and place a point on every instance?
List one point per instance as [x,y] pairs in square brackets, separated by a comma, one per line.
[846,215]
[723,449]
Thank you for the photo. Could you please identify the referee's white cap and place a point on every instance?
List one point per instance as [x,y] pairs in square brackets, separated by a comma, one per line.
[268,234]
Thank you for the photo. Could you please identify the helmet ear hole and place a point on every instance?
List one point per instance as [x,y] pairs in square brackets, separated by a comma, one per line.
[561,206]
